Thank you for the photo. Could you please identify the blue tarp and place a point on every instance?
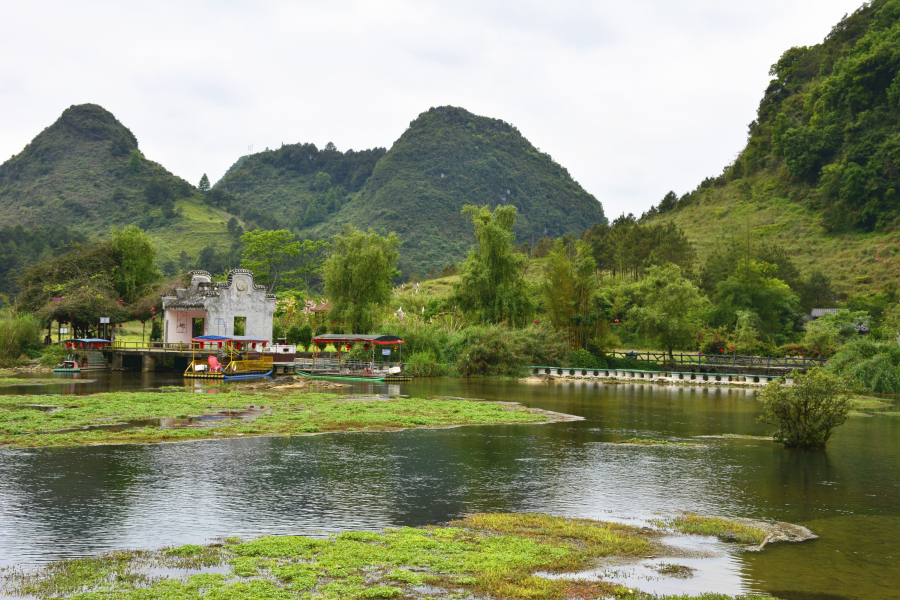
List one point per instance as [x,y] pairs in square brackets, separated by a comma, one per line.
[90,340]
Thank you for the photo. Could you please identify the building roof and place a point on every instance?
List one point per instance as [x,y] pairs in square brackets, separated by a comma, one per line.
[821,312]
[228,338]
[351,338]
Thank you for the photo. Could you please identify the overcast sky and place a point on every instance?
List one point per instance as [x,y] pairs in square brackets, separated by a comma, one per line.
[633,97]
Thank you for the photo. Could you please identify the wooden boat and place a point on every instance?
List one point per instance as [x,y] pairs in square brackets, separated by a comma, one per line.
[227,358]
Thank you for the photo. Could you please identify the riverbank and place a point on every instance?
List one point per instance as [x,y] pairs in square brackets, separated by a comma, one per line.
[225,412]
[483,555]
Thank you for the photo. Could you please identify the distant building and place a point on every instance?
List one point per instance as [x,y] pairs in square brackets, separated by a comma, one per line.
[862,326]
[208,308]
[821,312]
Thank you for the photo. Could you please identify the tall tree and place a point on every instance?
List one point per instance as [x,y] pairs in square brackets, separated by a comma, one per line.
[265,251]
[136,257]
[203,186]
[358,276]
[492,279]
[569,287]
[668,307]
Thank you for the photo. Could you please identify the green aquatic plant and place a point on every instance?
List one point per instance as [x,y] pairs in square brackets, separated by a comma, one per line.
[88,419]
[727,529]
[482,555]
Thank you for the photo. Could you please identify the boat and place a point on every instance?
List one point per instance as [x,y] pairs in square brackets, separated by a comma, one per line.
[228,358]
[363,370]
[282,352]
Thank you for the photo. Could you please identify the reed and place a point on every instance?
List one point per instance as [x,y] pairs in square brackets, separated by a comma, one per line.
[19,333]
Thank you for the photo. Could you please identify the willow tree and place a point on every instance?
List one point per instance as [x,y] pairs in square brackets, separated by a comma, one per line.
[569,287]
[358,276]
[492,277]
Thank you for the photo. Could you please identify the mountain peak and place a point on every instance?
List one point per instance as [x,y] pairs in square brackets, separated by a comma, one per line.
[92,122]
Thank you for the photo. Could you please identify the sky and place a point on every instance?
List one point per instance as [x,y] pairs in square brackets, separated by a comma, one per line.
[635,98]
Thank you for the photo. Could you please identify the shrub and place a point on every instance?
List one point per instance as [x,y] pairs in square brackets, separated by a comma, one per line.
[53,355]
[582,359]
[807,412]
[631,363]
[869,365]
[821,339]
[305,337]
[292,335]
[425,364]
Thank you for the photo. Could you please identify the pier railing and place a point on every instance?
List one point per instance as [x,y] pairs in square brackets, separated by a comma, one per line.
[209,348]
[787,362]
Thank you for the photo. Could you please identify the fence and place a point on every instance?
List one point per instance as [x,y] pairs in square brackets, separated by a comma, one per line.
[787,362]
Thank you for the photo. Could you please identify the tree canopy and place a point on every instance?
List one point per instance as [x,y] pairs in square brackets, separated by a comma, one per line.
[358,276]
[492,277]
[668,306]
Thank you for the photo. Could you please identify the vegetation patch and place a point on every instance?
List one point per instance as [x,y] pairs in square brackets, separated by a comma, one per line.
[675,570]
[726,529]
[129,417]
[483,555]
[22,381]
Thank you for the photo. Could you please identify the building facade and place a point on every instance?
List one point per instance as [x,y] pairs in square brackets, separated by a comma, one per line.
[210,308]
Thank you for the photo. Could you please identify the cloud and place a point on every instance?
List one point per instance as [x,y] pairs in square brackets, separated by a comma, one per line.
[633,98]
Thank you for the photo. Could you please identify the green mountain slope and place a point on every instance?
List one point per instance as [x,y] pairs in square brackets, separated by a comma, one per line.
[820,173]
[447,158]
[85,172]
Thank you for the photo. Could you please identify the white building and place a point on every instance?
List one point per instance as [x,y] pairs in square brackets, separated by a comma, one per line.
[207,308]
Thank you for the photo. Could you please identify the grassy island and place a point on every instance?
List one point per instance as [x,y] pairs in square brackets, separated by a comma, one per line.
[150,417]
[480,556]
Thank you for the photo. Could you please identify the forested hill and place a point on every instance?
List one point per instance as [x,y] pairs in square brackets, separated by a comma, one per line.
[447,158]
[85,170]
[820,174]
[86,173]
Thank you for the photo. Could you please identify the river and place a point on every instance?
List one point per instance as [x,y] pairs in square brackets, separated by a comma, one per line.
[62,502]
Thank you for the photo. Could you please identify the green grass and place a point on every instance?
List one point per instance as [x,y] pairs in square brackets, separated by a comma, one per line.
[483,555]
[288,414]
[856,262]
[727,529]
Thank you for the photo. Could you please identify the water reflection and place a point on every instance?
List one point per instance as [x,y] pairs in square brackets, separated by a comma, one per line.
[58,502]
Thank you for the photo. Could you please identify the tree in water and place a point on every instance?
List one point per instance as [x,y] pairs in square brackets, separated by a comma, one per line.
[358,276]
[492,277]
[807,412]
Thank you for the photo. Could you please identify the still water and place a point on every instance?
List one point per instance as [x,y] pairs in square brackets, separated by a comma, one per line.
[72,502]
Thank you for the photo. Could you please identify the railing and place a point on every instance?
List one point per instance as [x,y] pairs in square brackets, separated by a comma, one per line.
[724,359]
[209,347]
